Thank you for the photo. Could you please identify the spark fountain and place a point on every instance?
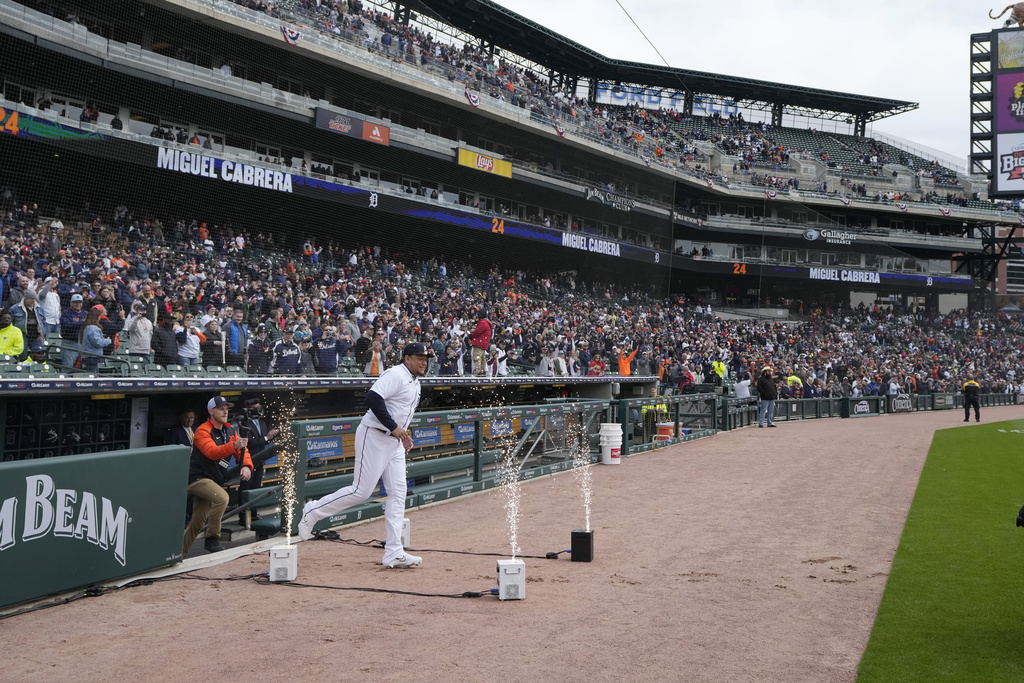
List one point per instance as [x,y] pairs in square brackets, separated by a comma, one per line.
[284,558]
[582,545]
[511,573]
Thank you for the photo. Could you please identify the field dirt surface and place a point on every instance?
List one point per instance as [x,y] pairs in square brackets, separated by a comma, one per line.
[754,555]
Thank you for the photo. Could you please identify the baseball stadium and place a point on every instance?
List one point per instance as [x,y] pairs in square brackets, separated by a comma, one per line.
[286,285]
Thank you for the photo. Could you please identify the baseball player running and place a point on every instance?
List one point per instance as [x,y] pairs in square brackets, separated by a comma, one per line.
[382,440]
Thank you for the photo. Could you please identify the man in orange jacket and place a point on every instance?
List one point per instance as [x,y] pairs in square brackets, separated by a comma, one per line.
[625,360]
[213,445]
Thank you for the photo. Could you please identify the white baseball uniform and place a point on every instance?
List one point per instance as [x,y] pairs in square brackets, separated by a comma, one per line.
[377,455]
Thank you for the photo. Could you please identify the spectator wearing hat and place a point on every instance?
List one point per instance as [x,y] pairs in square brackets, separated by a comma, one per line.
[215,442]
[259,352]
[306,367]
[49,301]
[286,356]
[140,332]
[36,353]
[328,350]
[212,347]
[71,319]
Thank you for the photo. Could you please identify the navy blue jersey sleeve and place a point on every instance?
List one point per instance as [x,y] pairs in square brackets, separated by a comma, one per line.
[380,410]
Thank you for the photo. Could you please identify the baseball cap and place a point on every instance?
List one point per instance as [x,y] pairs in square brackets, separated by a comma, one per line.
[35,346]
[76,297]
[414,349]
[217,402]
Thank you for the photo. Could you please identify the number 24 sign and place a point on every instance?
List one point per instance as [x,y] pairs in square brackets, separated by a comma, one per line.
[9,122]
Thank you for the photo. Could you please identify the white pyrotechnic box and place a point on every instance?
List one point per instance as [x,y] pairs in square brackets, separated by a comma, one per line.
[284,562]
[511,580]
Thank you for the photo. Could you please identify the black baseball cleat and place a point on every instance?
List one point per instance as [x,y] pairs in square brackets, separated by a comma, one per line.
[1020,520]
[967,419]
[212,545]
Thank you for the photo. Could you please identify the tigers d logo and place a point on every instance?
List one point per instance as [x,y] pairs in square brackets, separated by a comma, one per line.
[811,235]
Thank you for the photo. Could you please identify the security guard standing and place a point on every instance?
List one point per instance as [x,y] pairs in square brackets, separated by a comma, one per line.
[653,414]
[971,392]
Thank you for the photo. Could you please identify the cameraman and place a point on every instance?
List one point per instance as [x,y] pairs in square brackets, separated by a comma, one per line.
[253,427]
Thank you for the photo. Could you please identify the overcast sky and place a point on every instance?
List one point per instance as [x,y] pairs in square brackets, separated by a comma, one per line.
[912,50]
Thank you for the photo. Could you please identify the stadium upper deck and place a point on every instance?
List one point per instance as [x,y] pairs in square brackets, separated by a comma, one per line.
[428,113]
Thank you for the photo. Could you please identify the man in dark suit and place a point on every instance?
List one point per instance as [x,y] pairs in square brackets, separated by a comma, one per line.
[182,433]
[260,435]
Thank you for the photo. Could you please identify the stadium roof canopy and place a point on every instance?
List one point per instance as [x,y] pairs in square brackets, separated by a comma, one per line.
[503,28]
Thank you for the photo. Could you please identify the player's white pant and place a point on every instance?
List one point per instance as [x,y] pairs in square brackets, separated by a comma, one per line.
[377,455]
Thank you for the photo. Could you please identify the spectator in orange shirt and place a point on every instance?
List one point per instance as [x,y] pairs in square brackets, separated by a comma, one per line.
[625,360]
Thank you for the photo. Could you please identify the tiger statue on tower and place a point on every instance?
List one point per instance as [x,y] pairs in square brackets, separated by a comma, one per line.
[1016,16]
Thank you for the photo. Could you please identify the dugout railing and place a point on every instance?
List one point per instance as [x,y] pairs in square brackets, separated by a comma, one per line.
[454,452]
[657,421]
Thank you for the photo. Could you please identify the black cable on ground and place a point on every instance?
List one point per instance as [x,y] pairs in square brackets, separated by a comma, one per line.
[377,543]
[78,596]
[467,594]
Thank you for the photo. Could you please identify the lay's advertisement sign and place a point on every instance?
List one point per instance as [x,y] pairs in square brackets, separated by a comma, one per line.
[487,164]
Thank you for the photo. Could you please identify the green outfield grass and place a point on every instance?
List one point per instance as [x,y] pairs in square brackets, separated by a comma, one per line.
[953,608]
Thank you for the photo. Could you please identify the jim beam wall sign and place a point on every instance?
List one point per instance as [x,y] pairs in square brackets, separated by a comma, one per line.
[608,199]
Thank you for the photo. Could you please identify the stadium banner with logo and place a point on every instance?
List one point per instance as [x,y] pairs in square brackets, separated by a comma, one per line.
[79,520]
[1007,113]
[866,406]
[339,123]
[482,162]
[375,132]
[943,401]
[900,403]
[656,98]
[832,277]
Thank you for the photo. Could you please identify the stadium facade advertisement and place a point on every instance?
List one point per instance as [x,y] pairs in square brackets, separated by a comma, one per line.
[216,169]
[853,279]
[609,199]
[900,403]
[17,123]
[83,519]
[32,386]
[229,171]
[654,98]
[485,163]
[352,126]
[1008,114]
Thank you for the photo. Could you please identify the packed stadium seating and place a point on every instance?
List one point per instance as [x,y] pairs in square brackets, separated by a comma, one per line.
[424,299]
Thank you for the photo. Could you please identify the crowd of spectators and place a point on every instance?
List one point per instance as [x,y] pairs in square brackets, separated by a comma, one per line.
[219,295]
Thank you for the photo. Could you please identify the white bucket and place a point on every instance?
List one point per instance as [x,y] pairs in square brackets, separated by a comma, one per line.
[611,429]
[611,453]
